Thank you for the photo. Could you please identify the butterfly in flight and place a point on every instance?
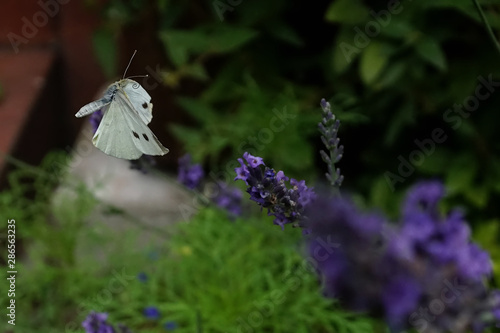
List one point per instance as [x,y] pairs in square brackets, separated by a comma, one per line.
[123,130]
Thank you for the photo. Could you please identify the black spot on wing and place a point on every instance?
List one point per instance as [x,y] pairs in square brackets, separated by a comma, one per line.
[136,135]
[145,105]
[145,137]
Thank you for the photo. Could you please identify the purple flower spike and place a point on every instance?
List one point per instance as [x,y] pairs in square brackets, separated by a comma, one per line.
[268,189]
[96,323]
[189,174]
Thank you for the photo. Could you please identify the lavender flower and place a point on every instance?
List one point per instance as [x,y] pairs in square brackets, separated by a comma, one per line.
[425,274]
[268,189]
[190,175]
[151,312]
[329,128]
[228,198]
[96,323]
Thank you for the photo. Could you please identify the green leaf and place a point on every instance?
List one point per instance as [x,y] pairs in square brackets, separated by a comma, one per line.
[436,163]
[478,196]
[405,116]
[106,51]
[430,50]
[373,61]
[344,51]
[196,70]
[398,28]
[181,44]
[461,173]
[392,75]
[347,11]
[284,32]
[226,39]
[200,111]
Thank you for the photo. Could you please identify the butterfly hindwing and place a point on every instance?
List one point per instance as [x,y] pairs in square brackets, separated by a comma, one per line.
[114,136]
[143,137]
[139,98]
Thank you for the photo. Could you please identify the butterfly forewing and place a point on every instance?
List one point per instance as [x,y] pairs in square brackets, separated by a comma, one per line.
[139,98]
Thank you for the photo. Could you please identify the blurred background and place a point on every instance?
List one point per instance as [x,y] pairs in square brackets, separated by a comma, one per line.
[414,84]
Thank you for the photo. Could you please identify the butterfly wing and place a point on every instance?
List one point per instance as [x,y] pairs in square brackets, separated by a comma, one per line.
[99,104]
[139,98]
[123,134]
[113,135]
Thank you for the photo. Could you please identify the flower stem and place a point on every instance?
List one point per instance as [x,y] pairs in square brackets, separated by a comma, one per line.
[487,25]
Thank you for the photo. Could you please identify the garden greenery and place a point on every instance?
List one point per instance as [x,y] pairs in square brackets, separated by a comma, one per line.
[415,86]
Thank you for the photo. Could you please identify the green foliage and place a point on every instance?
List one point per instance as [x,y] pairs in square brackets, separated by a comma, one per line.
[224,272]
[487,234]
[45,244]
[401,67]
[393,75]
[219,270]
[106,52]
[59,288]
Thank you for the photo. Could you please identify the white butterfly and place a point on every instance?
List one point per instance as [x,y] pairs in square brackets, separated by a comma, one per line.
[123,131]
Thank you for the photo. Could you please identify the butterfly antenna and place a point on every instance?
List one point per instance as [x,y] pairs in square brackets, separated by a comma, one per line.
[130,77]
[129,62]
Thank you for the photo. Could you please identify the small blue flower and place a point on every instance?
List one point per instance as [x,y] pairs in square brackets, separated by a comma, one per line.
[151,312]
[170,325]
[143,277]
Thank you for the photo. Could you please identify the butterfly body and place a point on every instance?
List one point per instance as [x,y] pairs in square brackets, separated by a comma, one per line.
[123,130]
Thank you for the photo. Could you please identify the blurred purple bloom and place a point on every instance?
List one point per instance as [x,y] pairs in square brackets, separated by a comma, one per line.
[190,175]
[400,297]
[229,198]
[268,189]
[423,198]
[96,323]
[151,312]
[395,271]
[95,120]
